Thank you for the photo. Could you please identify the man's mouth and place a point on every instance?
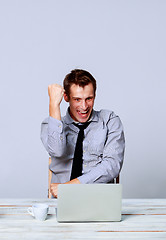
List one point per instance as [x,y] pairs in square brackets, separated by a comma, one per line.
[83,113]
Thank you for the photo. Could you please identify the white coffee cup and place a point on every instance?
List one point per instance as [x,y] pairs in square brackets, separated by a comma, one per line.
[39,211]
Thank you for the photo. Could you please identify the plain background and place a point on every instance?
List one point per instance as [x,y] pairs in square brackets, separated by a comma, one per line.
[123,44]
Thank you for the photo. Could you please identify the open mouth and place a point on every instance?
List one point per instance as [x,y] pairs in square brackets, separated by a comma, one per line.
[83,113]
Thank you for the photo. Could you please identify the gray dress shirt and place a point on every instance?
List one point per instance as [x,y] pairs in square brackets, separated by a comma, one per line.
[103,147]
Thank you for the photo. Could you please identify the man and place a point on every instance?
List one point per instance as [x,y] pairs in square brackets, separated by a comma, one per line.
[97,156]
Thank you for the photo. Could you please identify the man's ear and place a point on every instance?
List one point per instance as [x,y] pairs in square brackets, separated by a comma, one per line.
[66,97]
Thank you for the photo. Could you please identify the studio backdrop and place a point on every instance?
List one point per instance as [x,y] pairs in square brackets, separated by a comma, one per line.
[122,43]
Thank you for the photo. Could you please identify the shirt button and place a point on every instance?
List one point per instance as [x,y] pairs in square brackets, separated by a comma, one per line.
[61,138]
[59,126]
[84,151]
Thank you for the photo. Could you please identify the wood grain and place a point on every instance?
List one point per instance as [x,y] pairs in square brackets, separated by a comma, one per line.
[141,219]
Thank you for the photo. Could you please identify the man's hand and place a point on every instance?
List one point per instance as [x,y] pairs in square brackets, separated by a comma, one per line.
[54,189]
[55,92]
[54,186]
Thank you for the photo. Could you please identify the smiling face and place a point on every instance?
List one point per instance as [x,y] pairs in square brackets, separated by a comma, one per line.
[81,102]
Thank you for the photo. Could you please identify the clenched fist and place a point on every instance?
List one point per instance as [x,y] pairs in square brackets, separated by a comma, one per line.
[54,189]
[55,92]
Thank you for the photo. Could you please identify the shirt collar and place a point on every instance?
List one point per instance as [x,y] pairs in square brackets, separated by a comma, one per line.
[68,119]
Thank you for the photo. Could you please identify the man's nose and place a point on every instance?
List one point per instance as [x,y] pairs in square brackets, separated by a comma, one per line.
[84,105]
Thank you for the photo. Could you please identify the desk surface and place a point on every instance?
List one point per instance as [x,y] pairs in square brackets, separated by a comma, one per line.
[141,219]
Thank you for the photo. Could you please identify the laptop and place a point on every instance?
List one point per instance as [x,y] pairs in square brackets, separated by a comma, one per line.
[89,202]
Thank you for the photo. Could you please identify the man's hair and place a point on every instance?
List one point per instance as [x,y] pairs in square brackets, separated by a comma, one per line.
[79,77]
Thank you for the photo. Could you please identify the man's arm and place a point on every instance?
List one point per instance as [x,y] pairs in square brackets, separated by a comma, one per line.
[55,92]
[52,134]
[54,186]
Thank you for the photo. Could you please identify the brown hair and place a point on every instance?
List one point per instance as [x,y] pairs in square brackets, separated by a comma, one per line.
[79,77]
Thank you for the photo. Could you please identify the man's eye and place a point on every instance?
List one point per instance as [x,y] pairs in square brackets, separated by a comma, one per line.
[77,99]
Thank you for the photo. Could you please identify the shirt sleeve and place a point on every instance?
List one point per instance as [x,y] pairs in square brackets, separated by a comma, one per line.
[53,136]
[113,155]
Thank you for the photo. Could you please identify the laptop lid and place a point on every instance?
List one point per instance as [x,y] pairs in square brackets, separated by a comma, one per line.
[89,202]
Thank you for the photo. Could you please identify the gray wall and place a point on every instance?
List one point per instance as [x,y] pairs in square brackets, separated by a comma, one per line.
[122,43]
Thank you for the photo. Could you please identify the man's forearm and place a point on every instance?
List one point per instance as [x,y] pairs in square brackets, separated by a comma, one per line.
[74,181]
[54,186]
[54,111]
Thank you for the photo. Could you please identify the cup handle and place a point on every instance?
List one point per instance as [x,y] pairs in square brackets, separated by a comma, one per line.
[30,211]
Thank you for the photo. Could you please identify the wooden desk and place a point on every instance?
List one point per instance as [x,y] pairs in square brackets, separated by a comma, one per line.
[141,219]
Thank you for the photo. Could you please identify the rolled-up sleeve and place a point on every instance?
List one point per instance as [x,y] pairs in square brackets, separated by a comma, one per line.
[112,158]
[53,137]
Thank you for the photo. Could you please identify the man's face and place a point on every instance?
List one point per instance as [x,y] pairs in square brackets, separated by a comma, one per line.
[81,102]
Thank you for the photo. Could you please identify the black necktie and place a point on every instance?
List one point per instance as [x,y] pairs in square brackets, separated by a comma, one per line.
[77,160]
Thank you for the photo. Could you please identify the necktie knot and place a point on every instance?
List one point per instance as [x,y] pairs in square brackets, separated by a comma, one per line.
[82,126]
